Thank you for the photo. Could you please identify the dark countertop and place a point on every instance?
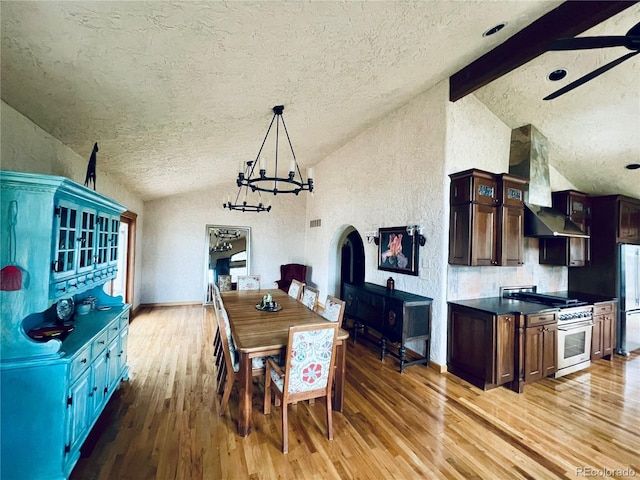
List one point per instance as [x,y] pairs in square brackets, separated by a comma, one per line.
[502,306]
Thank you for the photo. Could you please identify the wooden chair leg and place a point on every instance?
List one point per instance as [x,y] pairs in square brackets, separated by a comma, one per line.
[267,394]
[285,429]
[329,418]
[227,393]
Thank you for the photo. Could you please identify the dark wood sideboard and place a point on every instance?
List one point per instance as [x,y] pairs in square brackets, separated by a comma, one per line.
[395,316]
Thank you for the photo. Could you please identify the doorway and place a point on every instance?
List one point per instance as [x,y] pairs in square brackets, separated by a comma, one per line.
[352,260]
[123,283]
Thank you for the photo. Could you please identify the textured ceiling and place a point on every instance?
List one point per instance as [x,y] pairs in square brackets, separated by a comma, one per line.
[178,93]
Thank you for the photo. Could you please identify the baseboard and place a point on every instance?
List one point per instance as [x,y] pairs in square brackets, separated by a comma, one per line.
[168,304]
[437,367]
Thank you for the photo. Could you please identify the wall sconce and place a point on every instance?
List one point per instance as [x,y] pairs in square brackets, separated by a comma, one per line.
[372,237]
[417,229]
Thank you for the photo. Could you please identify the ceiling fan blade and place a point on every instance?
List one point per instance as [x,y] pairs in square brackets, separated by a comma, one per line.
[585,43]
[590,76]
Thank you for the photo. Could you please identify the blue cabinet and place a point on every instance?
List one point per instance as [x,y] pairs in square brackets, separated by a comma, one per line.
[63,241]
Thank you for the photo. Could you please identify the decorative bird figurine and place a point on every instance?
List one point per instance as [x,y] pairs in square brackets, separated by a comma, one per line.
[91,168]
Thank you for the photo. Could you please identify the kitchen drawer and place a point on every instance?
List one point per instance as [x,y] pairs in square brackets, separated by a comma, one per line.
[113,330]
[79,364]
[99,344]
[540,319]
[603,308]
[124,320]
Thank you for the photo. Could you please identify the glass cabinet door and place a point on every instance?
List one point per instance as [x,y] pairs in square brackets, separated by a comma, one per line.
[114,234]
[104,237]
[66,237]
[86,240]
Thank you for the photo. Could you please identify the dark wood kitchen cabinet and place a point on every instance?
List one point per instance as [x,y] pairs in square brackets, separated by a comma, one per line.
[541,349]
[395,317]
[536,348]
[480,346]
[603,338]
[629,220]
[617,217]
[570,252]
[486,219]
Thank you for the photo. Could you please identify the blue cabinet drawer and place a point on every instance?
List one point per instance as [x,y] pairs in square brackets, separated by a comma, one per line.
[113,330]
[99,344]
[79,363]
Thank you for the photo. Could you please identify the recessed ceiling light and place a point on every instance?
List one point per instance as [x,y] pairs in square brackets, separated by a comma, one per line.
[494,30]
[558,74]
[633,166]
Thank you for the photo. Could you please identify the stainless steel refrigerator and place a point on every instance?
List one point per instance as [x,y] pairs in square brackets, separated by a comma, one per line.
[628,331]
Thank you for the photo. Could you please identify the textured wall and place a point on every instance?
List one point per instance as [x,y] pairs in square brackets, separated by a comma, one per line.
[176,244]
[390,175]
[25,147]
[476,138]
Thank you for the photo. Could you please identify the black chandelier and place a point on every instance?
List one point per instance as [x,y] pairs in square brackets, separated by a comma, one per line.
[225,247]
[226,234]
[245,205]
[264,181]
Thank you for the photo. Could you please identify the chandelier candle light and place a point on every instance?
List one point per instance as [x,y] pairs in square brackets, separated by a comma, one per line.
[245,205]
[270,181]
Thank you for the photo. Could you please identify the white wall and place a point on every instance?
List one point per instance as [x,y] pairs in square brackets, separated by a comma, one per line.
[390,175]
[25,147]
[175,242]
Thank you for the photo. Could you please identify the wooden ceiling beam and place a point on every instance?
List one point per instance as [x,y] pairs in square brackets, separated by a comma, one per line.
[567,20]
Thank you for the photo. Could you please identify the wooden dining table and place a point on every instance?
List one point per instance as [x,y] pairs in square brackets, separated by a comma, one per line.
[259,333]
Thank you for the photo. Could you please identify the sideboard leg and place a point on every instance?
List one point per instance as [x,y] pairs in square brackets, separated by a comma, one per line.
[383,344]
[403,356]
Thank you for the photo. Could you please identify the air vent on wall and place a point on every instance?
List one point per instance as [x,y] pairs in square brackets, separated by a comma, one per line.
[315,223]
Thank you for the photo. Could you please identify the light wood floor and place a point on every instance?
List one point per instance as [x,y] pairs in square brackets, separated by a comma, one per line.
[163,423]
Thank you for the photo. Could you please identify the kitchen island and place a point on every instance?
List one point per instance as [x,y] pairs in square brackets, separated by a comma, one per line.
[499,341]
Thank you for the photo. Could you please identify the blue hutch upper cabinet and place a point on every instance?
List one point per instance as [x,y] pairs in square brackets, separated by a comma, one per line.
[58,246]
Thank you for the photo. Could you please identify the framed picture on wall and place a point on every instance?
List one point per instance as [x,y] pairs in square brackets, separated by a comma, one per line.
[397,251]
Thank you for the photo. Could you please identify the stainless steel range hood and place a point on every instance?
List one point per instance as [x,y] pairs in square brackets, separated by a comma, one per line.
[528,158]
[547,222]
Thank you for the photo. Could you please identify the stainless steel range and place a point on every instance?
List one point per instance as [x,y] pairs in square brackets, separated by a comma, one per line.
[575,324]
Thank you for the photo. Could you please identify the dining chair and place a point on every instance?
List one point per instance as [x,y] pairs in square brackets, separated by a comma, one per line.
[295,289]
[333,310]
[307,372]
[249,282]
[228,370]
[224,283]
[310,297]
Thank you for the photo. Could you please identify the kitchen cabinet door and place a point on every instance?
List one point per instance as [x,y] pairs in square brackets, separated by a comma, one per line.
[549,350]
[533,347]
[505,344]
[512,236]
[629,222]
[484,243]
[596,337]
[78,411]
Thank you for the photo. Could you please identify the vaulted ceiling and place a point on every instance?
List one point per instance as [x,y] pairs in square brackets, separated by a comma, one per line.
[178,93]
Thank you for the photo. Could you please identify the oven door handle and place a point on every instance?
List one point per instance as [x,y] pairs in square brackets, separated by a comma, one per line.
[573,326]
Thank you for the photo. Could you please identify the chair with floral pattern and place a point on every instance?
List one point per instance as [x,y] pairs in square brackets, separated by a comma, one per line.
[333,310]
[224,283]
[310,297]
[249,282]
[295,289]
[307,373]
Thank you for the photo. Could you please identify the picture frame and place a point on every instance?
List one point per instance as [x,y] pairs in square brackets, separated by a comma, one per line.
[397,250]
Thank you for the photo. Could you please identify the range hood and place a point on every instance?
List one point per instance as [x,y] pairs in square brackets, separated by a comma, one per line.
[528,159]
